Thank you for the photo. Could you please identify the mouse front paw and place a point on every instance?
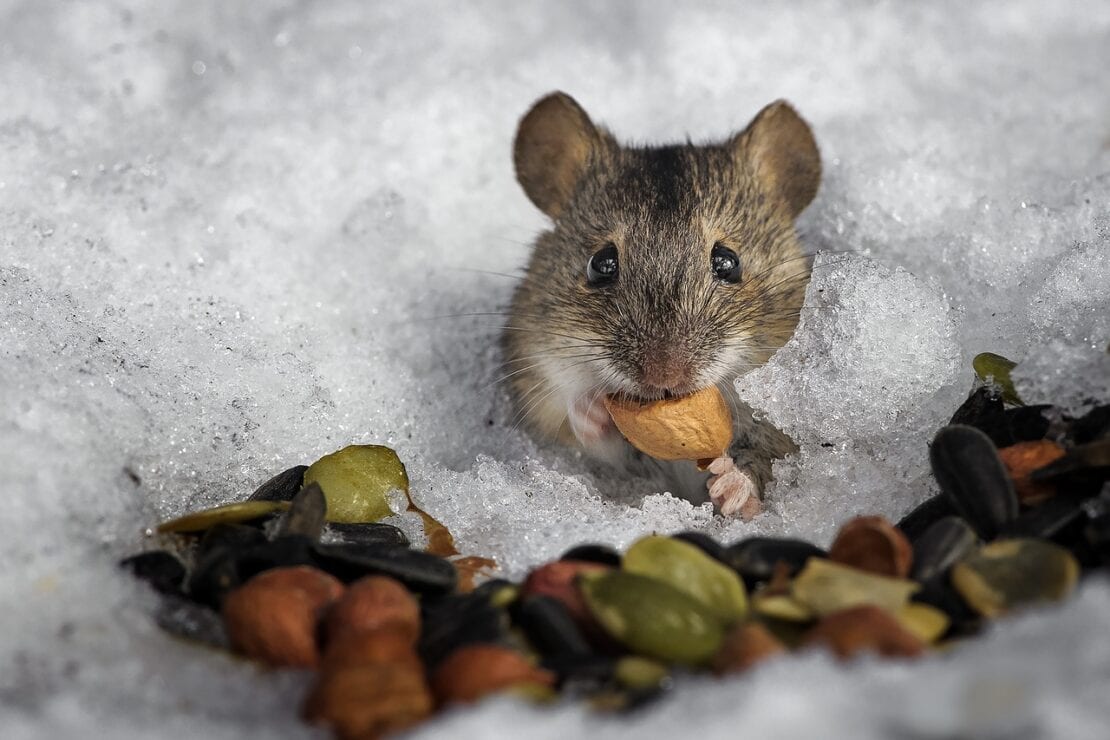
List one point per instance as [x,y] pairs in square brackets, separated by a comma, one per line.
[734,490]
[590,420]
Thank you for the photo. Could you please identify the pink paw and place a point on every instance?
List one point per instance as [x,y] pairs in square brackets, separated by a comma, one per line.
[590,420]
[733,490]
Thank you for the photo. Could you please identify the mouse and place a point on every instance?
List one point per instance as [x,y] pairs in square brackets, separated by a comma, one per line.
[666,269]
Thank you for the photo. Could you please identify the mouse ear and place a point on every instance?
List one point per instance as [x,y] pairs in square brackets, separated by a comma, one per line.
[554,143]
[779,146]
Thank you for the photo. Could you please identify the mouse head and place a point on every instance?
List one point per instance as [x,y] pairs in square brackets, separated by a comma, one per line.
[668,268]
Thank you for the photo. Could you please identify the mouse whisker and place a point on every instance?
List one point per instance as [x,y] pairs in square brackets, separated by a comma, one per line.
[534,403]
[588,355]
[522,272]
[548,332]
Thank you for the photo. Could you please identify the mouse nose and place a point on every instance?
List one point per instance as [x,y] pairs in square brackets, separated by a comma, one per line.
[663,371]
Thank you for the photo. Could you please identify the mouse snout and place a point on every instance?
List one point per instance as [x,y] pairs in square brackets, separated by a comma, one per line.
[664,371]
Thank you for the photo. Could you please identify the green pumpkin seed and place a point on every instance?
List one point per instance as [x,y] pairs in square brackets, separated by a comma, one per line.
[651,617]
[357,481]
[925,622]
[687,568]
[634,672]
[827,587]
[1008,574]
[781,606]
[242,511]
[996,368]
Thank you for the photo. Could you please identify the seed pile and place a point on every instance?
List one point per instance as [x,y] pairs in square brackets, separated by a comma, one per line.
[394,633]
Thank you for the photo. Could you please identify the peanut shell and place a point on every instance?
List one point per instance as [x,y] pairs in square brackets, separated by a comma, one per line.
[693,427]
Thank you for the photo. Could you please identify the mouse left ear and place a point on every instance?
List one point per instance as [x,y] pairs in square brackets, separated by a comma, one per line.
[554,145]
[778,145]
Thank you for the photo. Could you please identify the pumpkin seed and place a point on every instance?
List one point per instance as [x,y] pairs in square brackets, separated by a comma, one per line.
[237,513]
[826,587]
[781,606]
[996,368]
[634,672]
[651,617]
[1009,574]
[688,569]
[357,481]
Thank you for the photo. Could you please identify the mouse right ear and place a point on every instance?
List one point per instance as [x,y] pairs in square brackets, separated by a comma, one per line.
[779,146]
[554,143]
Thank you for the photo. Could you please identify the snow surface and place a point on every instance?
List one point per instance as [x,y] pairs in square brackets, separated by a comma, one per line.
[237,236]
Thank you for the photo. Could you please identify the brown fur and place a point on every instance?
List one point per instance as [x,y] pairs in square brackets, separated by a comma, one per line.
[664,208]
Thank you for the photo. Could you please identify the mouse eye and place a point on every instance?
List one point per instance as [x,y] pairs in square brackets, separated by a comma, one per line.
[602,267]
[726,265]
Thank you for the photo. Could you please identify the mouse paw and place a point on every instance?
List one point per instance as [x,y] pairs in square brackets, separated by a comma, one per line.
[734,490]
[590,420]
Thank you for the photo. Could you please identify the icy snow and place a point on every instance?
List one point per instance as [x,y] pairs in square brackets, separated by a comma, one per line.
[237,236]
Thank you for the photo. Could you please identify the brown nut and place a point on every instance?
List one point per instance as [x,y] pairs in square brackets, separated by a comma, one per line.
[273,616]
[391,643]
[367,701]
[744,646]
[473,671]
[873,544]
[1023,458]
[692,427]
[864,628]
[370,603]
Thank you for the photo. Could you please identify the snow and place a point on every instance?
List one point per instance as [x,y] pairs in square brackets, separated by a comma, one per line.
[235,237]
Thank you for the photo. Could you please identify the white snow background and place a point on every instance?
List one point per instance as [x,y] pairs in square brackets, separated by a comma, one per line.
[235,236]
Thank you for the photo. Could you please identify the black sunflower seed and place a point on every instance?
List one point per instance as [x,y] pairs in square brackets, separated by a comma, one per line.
[283,552]
[215,574]
[306,514]
[1048,520]
[970,473]
[704,542]
[550,627]
[237,537]
[161,569]
[938,593]
[1093,425]
[191,621]
[368,533]
[985,411]
[591,553]
[927,513]
[984,403]
[282,487]
[452,621]
[755,558]
[941,546]
[581,675]
[419,571]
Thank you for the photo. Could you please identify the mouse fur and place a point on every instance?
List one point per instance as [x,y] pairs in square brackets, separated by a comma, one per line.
[667,324]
